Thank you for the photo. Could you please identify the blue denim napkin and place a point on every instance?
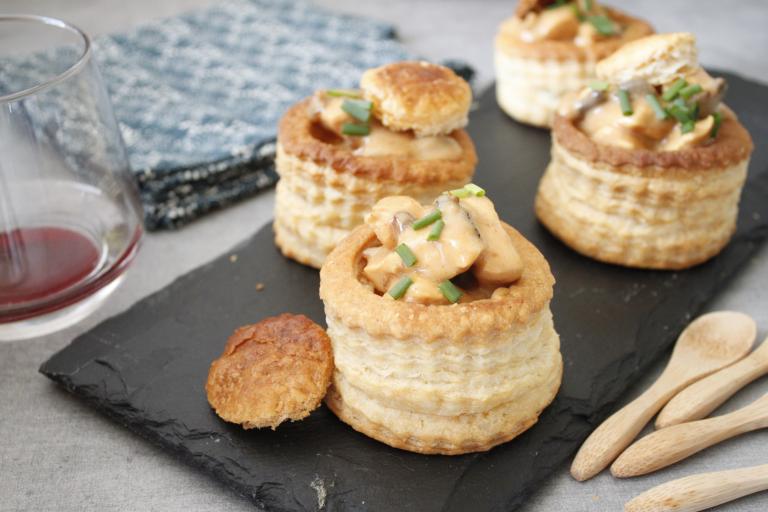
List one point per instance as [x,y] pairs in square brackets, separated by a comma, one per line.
[198,97]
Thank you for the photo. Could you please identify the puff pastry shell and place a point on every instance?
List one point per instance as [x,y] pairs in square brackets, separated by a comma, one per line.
[643,208]
[440,379]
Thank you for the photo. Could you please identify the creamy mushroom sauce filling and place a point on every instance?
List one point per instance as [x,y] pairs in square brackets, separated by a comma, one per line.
[686,120]
[329,118]
[473,251]
[582,22]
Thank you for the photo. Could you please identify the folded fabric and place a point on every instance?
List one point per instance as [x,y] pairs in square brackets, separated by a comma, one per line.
[198,97]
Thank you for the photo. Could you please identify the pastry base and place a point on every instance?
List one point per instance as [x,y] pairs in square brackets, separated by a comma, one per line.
[644,216]
[472,407]
[443,379]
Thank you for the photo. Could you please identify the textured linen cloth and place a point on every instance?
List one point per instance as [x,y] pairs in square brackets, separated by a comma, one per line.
[198,97]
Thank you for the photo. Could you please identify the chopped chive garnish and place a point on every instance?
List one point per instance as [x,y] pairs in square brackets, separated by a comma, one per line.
[577,12]
[428,219]
[694,111]
[557,3]
[437,228]
[359,109]
[598,85]
[406,254]
[717,117]
[398,290]
[475,190]
[587,5]
[653,101]
[679,113]
[355,129]
[450,291]
[626,105]
[603,25]
[690,90]
[680,102]
[342,93]
[674,90]
[470,189]
[688,126]
[461,193]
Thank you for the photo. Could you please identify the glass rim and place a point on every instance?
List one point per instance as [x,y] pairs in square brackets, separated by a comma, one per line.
[73,69]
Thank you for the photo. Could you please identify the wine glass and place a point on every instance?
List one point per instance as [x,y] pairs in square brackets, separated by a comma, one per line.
[69,210]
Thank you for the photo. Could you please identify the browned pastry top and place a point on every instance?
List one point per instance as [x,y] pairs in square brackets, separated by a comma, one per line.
[271,371]
[732,145]
[298,137]
[346,296]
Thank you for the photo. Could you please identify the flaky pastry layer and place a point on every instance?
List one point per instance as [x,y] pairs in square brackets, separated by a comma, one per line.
[676,211]
[440,378]
[452,434]
[446,378]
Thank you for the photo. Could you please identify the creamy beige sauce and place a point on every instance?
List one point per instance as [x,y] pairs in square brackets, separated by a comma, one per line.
[384,142]
[472,239]
[381,141]
[557,24]
[606,124]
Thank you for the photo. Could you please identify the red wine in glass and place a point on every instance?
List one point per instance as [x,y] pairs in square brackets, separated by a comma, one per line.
[37,262]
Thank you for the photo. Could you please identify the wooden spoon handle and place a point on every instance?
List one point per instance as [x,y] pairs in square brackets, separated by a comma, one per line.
[617,432]
[700,492]
[667,446]
[702,397]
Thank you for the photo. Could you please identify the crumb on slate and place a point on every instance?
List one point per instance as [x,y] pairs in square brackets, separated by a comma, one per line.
[259,287]
[233,258]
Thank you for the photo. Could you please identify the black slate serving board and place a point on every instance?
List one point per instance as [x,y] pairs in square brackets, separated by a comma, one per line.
[146,367]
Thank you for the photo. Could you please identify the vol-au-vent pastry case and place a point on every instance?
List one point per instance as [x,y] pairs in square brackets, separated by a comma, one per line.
[440,322]
[340,151]
[647,162]
[550,47]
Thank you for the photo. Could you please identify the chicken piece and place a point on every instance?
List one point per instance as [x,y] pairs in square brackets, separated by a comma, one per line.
[424,291]
[679,140]
[390,216]
[556,24]
[382,267]
[499,262]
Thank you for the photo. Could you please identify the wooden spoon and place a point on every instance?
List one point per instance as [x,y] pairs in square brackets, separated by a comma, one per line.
[700,492]
[702,397]
[667,446]
[709,343]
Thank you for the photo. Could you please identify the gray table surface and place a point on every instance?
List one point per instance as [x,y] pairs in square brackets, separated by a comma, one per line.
[58,454]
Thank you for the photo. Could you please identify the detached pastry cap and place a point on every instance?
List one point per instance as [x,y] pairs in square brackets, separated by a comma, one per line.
[276,370]
[659,59]
[426,98]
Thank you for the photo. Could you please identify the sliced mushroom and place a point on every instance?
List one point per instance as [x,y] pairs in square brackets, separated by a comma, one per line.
[710,100]
[389,217]
[637,86]
[586,101]
[499,263]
